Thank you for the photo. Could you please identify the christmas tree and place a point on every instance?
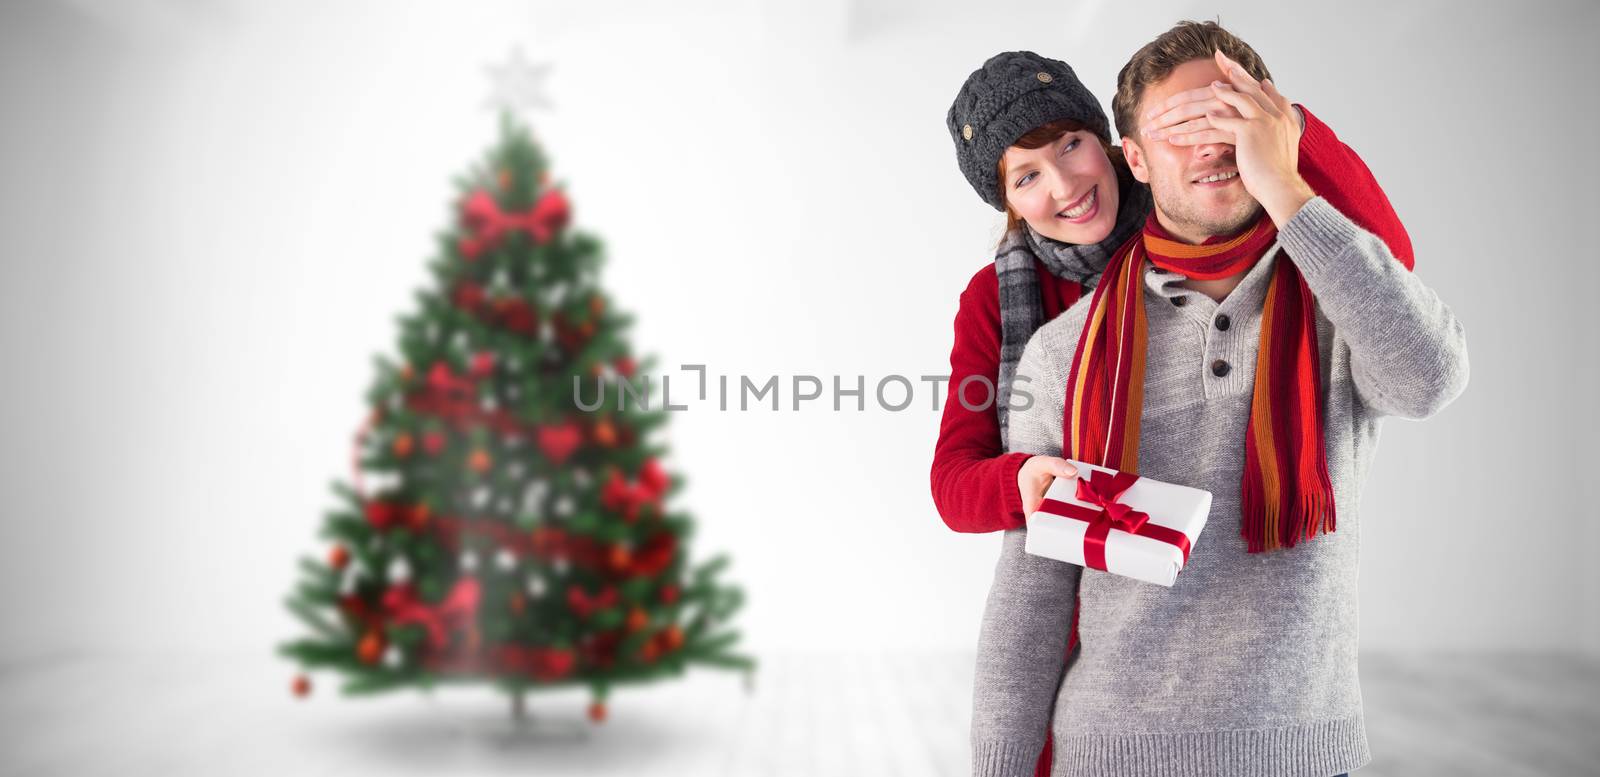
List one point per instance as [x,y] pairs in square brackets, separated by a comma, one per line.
[507,533]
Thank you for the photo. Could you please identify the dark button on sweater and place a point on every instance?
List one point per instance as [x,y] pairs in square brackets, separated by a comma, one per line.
[1222,321]
[1219,368]
[1178,301]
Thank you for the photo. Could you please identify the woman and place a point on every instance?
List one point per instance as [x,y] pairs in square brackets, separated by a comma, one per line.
[1035,144]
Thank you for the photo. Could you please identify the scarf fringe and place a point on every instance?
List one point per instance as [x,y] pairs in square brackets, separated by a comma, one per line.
[1311,514]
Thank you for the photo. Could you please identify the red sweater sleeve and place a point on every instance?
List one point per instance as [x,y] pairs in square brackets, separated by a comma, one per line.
[1334,171]
[974,480]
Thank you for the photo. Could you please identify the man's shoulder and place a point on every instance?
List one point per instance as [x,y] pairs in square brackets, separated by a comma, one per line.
[1057,340]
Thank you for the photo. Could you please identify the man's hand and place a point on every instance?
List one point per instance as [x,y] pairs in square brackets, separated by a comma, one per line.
[1035,477]
[1253,117]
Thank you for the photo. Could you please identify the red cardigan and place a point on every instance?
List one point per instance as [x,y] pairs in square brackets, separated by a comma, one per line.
[974,480]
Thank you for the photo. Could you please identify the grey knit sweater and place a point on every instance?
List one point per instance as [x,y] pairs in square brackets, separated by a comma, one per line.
[1246,666]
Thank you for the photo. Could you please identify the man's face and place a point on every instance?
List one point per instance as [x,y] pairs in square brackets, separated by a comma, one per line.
[1188,202]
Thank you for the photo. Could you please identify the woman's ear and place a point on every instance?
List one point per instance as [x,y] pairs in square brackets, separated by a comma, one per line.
[1135,158]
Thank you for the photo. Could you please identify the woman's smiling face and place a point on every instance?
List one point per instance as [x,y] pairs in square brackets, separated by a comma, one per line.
[1065,189]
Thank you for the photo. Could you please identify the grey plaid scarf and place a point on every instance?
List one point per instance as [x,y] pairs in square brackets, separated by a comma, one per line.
[1021,308]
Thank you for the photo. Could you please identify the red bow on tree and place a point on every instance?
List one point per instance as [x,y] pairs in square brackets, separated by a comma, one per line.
[488,224]
[445,383]
[627,498]
[583,604]
[458,609]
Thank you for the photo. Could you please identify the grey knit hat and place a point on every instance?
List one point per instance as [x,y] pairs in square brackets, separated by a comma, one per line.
[1011,94]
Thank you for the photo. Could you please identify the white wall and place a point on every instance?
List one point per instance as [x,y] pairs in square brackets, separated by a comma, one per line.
[213,213]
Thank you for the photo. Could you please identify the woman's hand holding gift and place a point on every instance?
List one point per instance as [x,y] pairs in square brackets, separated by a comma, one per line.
[1035,477]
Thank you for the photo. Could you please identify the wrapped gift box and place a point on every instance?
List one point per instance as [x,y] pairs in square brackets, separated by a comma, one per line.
[1119,523]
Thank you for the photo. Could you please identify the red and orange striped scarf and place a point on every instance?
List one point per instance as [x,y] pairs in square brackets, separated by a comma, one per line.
[1286,494]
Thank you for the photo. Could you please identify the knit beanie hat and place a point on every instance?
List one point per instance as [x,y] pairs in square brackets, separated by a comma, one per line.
[1014,92]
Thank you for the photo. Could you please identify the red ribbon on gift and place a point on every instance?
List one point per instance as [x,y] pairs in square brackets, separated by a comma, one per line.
[488,223]
[1103,491]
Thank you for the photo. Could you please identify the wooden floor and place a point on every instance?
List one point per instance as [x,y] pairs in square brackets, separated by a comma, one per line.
[805,715]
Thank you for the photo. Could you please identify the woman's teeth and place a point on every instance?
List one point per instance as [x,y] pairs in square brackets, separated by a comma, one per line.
[1218,177]
[1088,203]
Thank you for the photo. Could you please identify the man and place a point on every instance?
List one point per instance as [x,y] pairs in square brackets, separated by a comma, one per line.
[1248,342]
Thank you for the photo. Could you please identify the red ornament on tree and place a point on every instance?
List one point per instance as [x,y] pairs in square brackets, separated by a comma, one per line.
[417,516]
[558,441]
[625,367]
[605,434]
[370,648]
[558,662]
[597,712]
[638,619]
[672,637]
[301,686]
[338,557]
[433,442]
[482,364]
[652,477]
[468,296]
[620,557]
[517,315]
[382,515]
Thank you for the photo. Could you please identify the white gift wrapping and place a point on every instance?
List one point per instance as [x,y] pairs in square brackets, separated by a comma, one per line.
[1058,530]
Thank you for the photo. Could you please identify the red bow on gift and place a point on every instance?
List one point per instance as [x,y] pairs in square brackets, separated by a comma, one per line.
[1103,491]
[488,223]
[458,608]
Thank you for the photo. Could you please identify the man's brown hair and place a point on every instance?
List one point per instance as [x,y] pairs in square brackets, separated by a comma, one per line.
[1185,42]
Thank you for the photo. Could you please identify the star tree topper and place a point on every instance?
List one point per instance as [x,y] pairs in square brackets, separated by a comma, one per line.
[518,84]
